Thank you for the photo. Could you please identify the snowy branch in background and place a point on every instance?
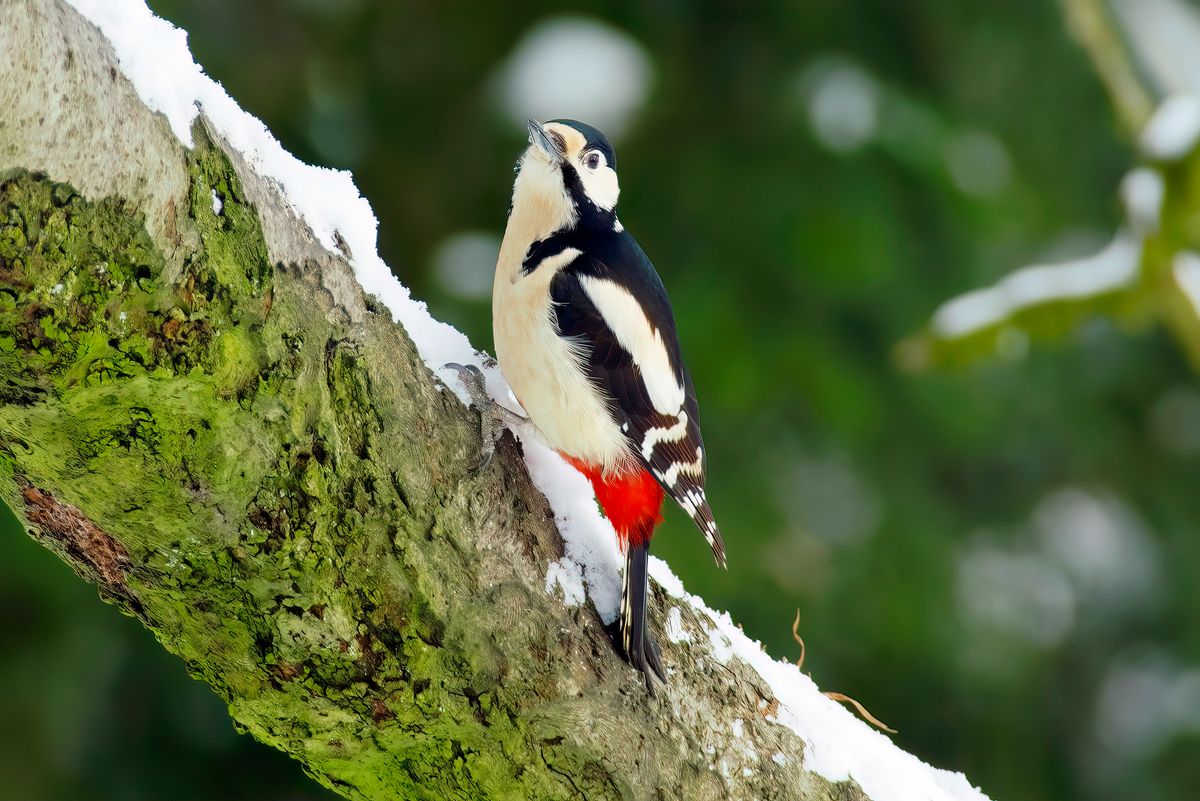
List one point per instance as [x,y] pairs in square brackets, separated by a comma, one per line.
[1146,273]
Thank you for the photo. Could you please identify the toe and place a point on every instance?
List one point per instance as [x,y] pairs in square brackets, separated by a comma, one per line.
[488,453]
[654,660]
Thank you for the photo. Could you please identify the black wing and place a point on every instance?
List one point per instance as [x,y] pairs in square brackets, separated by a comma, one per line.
[668,444]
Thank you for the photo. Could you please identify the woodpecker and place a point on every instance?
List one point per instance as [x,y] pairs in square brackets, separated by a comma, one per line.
[585,337]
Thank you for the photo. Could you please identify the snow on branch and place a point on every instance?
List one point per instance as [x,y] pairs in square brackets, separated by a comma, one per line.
[1146,270]
[154,57]
[1113,269]
[1040,301]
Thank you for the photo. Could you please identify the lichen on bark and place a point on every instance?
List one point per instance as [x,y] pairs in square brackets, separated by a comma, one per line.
[286,500]
[188,416]
[202,413]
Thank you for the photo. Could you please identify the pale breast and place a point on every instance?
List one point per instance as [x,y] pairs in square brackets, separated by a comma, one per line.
[545,371]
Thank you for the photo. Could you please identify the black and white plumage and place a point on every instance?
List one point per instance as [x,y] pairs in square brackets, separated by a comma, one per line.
[611,302]
[586,338]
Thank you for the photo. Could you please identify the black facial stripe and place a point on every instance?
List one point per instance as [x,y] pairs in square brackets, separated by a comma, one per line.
[573,184]
[590,215]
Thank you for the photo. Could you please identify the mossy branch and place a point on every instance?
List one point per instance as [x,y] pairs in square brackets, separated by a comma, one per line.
[201,413]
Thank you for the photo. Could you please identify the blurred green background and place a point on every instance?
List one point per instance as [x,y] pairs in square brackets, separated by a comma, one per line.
[999,560]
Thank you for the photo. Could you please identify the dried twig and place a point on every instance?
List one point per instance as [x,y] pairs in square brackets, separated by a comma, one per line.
[836,696]
[799,640]
[862,710]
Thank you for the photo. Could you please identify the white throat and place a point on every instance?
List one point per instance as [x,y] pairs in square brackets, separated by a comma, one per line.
[539,198]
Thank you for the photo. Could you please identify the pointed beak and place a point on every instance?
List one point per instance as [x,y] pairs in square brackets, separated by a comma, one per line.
[541,138]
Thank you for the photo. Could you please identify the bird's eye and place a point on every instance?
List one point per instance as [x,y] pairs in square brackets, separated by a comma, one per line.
[593,160]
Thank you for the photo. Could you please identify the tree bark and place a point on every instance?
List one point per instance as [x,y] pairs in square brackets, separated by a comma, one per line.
[204,415]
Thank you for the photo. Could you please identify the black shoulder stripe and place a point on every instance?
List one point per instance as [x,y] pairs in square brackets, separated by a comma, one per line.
[543,249]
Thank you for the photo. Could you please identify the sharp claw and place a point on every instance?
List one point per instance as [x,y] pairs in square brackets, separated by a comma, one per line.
[472,379]
[489,416]
[488,453]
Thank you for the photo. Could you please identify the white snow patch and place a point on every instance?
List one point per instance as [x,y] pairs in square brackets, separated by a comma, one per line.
[779,758]
[675,631]
[1143,191]
[153,54]
[588,539]
[1112,268]
[566,575]
[838,745]
[1173,130]
[1187,274]
[722,646]
[743,745]
[217,203]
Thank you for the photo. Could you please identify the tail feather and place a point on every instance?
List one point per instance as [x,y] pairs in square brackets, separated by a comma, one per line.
[696,506]
[639,646]
[632,501]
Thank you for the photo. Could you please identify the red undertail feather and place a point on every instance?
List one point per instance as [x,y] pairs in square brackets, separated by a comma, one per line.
[631,501]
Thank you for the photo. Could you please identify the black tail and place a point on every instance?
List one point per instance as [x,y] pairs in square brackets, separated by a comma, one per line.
[640,649]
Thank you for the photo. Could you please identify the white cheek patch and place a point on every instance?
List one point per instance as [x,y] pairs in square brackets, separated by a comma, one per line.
[625,318]
[601,185]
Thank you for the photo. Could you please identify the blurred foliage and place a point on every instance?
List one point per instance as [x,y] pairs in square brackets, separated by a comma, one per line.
[998,559]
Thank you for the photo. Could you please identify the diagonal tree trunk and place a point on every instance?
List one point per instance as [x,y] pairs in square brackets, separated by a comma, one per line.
[204,415]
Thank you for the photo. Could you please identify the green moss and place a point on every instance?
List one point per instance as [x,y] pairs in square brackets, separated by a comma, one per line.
[177,417]
[290,515]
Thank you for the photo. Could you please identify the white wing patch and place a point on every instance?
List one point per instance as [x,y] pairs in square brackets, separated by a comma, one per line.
[627,320]
[674,433]
[690,468]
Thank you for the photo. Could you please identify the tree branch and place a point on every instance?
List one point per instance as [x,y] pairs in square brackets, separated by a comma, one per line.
[204,415]
[1091,23]
[1149,274]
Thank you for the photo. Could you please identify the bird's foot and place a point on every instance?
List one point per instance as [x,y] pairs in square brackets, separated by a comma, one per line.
[493,418]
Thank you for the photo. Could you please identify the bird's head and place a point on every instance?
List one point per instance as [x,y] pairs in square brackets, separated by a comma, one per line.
[571,167]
